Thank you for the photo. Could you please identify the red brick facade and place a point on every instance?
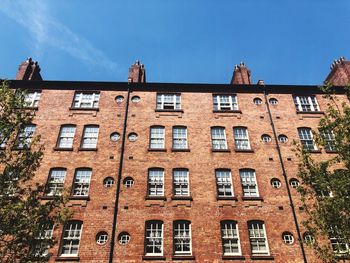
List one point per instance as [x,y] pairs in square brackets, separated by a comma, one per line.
[203,208]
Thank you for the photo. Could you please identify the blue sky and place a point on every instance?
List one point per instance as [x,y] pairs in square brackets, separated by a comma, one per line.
[195,41]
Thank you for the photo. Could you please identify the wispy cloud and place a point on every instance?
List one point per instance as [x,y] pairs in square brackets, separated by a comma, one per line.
[34,15]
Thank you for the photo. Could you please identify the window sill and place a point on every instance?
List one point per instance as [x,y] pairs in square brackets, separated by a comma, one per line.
[252,198]
[330,151]
[31,108]
[168,110]
[227,111]
[148,197]
[221,150]
[180,150]
[313,151]
[88,149]
[153,258]
[244,150]
[50,197]
[233,257]
[227,198]
[261,257]
[174,197]
[310,112]
[63,149]
[87,198]
[84,109]
[63,258]
[183,257]
[156,150]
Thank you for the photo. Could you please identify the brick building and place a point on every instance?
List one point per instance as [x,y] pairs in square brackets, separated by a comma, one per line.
[162,172]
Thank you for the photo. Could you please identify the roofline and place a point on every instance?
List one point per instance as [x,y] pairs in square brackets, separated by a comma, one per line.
[168,87]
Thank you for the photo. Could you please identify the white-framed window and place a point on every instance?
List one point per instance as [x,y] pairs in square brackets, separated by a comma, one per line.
[108,182]
[167,101]
[25,136]
[225,102]
[258,238]
[43,239]
[156,182]
[181,182]
[124,238]
[273,101]
[306,103]
[241,138]
[294,183]
[157,140]
[306,139]
[154,238]
[218,138]
[182,238]
[276,183]
[308,238]
[257,101]
[3,141]
[230,238]
[282,138]
[288,238]
[56,181]
[81,183]
[266,138]
[66,136]
[31,99]
[101,238]
[223,183]
[128,182]
[329,139]
[338,243]
[90,137]
[86,100]
[249,184]
[71,238]
[179,137]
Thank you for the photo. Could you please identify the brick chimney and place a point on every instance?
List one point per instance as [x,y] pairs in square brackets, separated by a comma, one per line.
[29,70]
[137,73]
[241,75]
[340,73]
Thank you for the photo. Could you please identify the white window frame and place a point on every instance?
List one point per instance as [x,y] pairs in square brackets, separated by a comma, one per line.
[157,137]
[82,180]
[222,102]
[3,141]
[66,136]
[182,236]
[241,138]
[45,234]
[55,182]
[90,138]
[71,237]
[164,104]
[154,237]
[230,237]
[307,139]
[306,103]
[84,103]
[329,139]
[337,241]
[249,182]
[218,138]
[179,137]
[181,182]
[31,99]
[224,181]
[155,182]
[26,135]
[257,233]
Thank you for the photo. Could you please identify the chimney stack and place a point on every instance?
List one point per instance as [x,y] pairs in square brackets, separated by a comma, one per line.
[241,75]
[340,73]
[137,73]
[29,70]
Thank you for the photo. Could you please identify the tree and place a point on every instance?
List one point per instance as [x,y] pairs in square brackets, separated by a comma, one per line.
[26,221]
[325,187]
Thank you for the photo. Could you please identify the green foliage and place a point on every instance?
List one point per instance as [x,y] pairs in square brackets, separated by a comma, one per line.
[23,214]
[325,188]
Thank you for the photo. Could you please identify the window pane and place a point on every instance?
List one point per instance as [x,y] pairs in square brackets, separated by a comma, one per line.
[182,238]
[181,183]
[230,238]
[66,137]
[224,183]
[71,238]
[154,238]
[180,138]
[218,138]
[241,139]
[82,182]
[248,181]
[156,182]
[257,237]
[86,100]
[56,181]
[90,137]
[306,139]
[157,138]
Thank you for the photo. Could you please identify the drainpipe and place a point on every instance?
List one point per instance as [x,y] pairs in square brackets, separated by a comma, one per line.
[116,204]
[285,178]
